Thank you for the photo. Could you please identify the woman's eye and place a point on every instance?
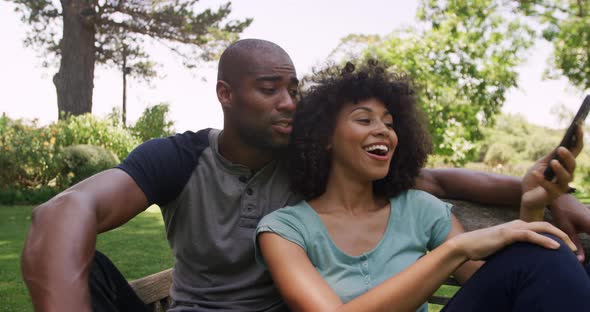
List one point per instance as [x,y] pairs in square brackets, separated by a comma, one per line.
[389,125]
[364,121]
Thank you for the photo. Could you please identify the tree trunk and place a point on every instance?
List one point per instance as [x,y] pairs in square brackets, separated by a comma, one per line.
[124,70]
[74,80]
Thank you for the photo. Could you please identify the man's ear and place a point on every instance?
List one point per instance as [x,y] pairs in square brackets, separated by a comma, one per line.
[224,94]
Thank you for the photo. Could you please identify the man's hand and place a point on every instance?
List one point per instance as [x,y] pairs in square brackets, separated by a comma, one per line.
[572,217]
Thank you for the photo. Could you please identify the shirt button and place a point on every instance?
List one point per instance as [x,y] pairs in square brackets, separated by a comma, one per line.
[243,179]
[365,264]
[249,191]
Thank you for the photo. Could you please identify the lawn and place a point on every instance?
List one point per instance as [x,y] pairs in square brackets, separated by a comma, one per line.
[138,248]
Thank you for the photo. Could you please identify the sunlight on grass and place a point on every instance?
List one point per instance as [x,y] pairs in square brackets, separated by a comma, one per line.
[138,248]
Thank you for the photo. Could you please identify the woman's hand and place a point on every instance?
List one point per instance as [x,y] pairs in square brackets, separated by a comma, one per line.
[538,192]
[479,244]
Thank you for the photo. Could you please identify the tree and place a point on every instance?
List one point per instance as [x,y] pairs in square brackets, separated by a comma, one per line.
[462,55]
[114,33]
[566,24]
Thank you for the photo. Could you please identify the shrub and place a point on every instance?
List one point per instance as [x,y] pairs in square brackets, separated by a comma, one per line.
[26,154]
[153,123]
[499,154]
[539,146]
[79,162]
[89,129]
[26,196]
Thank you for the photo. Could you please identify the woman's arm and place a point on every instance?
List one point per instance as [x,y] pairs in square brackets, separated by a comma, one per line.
[304,289]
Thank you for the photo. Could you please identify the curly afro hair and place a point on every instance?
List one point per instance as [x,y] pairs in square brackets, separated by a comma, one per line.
[329,90]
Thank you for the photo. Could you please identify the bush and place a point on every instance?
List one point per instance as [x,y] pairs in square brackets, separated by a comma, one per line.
[89,129]
[26,196]
[538,147]
[26,154]
[153,123]
[79,162]
[499,154]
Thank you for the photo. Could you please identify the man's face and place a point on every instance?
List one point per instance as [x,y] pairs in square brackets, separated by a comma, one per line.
[264,100]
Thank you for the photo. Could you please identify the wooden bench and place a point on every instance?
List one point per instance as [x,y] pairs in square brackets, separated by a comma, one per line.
[154,289]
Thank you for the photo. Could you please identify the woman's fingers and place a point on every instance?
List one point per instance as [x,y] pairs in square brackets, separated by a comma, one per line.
[553,189]
[535,238]
[547,228]
[576,149]
[567,159]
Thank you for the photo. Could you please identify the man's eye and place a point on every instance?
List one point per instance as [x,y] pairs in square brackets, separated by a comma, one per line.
[293,93]
[268,91]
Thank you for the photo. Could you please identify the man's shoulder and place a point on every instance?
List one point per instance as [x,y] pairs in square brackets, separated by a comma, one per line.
[161,167]
[188,144]
[201,138]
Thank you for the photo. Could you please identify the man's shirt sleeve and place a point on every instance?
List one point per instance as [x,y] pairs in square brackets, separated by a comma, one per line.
[161,167]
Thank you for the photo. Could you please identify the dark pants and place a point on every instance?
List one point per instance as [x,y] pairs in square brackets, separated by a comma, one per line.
[522,277]
[526,277]
[109,289]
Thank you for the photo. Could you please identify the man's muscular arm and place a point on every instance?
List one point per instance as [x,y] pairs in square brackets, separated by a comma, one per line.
[59,248]
[475,186]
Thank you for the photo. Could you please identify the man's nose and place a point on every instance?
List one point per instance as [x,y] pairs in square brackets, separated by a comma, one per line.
[287,102]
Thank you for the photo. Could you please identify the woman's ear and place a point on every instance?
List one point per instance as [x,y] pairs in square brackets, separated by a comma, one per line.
[224,94]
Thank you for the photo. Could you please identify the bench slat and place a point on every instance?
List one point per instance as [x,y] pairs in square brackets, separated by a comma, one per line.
[438,300]
[153,288]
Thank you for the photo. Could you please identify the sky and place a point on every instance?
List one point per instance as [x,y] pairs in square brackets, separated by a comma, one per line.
[308,30]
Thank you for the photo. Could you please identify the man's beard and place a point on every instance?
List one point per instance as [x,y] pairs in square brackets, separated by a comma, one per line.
[260,138]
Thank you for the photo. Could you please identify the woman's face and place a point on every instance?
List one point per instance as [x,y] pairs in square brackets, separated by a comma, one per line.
[364,141]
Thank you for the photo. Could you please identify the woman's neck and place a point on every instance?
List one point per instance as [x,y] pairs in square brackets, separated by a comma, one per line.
[348,194]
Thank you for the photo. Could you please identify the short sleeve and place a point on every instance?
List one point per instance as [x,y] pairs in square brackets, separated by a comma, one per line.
[438,222]
[161,167]
[431,215]
[284,222]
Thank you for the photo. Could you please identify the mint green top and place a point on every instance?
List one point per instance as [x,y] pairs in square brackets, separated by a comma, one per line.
[418,222]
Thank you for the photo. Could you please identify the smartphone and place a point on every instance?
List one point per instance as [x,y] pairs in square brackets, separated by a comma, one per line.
[569,139]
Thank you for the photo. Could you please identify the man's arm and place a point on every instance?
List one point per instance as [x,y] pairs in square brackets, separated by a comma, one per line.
[572,217]
[469,185]
[60,245]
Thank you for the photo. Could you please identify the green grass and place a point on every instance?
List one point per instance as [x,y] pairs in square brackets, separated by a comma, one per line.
[138,248]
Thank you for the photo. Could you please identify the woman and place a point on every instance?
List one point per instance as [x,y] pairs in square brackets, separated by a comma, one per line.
[363,240]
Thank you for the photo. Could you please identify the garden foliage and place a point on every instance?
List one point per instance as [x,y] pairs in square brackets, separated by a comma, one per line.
[38,161]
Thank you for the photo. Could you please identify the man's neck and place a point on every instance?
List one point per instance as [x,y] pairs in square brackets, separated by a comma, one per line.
[236,151]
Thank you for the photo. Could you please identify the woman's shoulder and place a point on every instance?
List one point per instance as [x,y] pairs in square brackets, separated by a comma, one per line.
[413,195]
[417,201]
[293,215]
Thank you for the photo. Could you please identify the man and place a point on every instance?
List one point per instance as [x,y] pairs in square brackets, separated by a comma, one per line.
[213,187]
